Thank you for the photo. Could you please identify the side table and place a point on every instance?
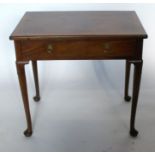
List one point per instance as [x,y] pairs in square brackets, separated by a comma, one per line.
[83,35]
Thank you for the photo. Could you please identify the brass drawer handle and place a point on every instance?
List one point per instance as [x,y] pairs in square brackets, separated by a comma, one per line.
[49,49]
[106,47]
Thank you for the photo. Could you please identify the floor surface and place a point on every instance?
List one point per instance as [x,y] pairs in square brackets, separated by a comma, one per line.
[81,109]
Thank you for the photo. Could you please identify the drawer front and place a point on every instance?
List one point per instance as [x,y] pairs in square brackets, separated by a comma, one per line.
[69,49]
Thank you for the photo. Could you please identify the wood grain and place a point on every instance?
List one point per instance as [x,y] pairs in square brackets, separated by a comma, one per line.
[79,24]
[79,49]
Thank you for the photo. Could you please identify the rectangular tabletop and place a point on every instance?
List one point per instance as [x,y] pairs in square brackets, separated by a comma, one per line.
[79,24]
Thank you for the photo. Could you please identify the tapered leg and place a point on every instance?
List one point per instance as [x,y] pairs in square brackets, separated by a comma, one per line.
[23,86]
[36,81]
[136,86]
[127,77]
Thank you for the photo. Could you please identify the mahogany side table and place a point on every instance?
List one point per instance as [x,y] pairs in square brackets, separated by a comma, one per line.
[90,35]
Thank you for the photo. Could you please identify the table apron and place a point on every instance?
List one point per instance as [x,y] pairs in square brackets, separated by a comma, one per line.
[77,49]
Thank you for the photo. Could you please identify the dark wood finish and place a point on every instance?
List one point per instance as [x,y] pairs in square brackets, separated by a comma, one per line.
[79,36]
[36,81]
[78,49]
[79,24]
[136,86]
[23,86]
[127,76]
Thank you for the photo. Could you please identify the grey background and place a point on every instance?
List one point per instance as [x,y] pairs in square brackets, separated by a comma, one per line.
[82,106]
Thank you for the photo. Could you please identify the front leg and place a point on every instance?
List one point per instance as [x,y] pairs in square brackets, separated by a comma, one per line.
[127,77]
[136,86]
[36,81]
[23,86]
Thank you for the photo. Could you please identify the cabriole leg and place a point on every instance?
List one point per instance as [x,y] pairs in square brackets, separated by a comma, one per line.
[136,86]
[23,86]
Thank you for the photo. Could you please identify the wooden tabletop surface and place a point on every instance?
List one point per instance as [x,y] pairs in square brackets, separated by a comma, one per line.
[79,24]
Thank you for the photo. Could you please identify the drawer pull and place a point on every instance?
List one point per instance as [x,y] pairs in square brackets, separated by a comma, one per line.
[49,49]
[106,47]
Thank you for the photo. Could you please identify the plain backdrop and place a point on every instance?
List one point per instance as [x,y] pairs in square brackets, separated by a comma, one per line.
[82,107]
